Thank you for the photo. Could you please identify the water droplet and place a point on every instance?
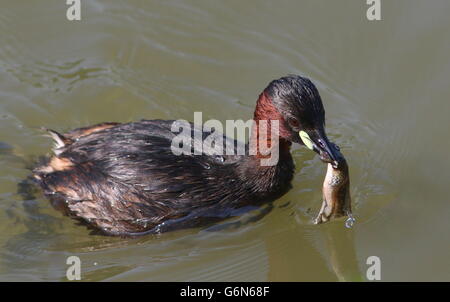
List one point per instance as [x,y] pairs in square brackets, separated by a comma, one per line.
[206,166]
[220,158]
[350,221]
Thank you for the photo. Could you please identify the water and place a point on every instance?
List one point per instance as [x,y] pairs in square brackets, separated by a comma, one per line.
[350,221]
[385,90]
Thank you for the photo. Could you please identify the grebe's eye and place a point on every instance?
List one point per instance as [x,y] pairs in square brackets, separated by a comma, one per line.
[294,123]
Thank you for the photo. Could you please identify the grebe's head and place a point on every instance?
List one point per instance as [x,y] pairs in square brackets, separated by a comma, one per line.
[300,110]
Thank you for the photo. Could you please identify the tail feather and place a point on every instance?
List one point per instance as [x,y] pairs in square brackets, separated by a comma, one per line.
[60,140]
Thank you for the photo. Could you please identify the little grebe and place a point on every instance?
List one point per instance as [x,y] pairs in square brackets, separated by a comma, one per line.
[124,179]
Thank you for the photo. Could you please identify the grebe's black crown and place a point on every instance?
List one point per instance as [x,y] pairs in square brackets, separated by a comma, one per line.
[300,105]
[297,98]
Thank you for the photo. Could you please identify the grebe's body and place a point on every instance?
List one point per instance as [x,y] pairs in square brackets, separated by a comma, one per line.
[124,179]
